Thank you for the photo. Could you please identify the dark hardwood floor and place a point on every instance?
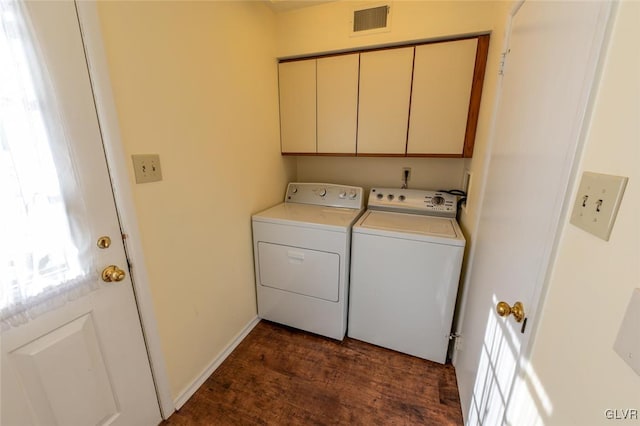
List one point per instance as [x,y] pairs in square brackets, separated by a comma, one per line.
[282,376]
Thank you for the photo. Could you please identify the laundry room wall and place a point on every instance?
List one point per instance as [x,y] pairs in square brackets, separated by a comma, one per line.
[326,28]
[574,376]
[196,83]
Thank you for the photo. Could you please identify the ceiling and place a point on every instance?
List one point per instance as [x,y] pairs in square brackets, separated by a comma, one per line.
[287,5]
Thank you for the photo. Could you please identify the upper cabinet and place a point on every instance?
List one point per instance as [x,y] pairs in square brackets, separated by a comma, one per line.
[337,103]
[421,100]
[383,108]
[298,106]
[442,82]
[319,105]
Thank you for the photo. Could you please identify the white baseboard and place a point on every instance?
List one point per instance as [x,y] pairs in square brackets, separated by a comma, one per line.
[193,387]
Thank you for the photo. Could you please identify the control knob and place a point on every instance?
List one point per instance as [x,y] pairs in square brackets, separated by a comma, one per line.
[437,200]
[323,192]
[353,195]
[379,196]
[390,197]
[342,194]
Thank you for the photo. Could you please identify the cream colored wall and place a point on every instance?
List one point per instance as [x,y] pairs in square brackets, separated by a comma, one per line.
[426,173]
[325,28]
[196,83]
[592,280]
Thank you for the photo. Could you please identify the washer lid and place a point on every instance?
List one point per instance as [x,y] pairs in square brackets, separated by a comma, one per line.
[331,218]
[411,226]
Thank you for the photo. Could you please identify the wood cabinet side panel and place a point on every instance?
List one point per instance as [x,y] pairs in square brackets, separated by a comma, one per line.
[476,95]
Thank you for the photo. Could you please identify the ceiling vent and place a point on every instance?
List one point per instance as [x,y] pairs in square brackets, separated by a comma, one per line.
[370,19]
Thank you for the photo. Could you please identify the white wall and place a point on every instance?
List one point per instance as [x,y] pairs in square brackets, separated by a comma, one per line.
[579,373]
[426,173]
[196,83]
[326,28]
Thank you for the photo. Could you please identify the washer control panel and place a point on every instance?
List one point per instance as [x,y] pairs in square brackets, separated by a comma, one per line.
[325,194]
[434,203]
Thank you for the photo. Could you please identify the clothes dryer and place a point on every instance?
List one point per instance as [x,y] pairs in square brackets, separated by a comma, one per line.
[302,253]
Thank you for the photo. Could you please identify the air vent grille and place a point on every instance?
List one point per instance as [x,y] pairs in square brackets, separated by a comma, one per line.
[369,19]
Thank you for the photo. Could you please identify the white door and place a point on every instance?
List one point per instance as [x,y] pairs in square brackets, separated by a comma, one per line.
[548,77]
[81,360]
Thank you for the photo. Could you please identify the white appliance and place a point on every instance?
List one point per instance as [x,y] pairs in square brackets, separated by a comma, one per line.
[301,250]
[407,251]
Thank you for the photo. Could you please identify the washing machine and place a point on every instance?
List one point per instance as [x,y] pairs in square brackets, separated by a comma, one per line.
[407,251]
[301,251]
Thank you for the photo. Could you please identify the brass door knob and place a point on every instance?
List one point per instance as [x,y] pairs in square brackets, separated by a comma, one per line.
[112,273]
[517,310]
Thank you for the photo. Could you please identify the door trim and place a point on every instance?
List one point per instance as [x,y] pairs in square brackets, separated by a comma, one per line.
[116,162]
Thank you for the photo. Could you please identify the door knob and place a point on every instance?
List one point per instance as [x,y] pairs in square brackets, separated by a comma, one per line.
[112,273]
[517,310]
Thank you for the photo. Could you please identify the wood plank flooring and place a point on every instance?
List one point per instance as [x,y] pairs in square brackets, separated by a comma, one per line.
[283,376]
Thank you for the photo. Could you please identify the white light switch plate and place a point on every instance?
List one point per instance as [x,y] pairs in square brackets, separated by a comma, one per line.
[627,344]
[597,203]
[147,168]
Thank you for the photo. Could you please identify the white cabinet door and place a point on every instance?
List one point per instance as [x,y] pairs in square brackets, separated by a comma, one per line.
[83,361]
[337,89]
[385,88]
[298,106]
[442,81]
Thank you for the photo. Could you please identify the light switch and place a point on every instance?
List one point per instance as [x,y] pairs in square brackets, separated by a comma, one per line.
[147,168]
[627,344]
[597,203]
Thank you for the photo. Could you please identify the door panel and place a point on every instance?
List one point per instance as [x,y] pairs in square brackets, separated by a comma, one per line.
[70,354]
[83,361]
[548,77]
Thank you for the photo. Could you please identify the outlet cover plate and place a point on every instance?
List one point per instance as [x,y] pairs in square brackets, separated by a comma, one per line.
[597,203]
[147,168]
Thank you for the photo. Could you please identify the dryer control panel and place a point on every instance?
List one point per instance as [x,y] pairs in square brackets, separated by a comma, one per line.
[325,194]
[433,203]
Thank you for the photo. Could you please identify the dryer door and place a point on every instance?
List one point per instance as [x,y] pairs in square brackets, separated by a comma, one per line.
[303,271]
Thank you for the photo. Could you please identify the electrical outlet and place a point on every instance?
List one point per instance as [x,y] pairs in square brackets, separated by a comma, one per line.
[457,346]
[466,182]
[597,203]
[147,168]
[466,187]
[406,173]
